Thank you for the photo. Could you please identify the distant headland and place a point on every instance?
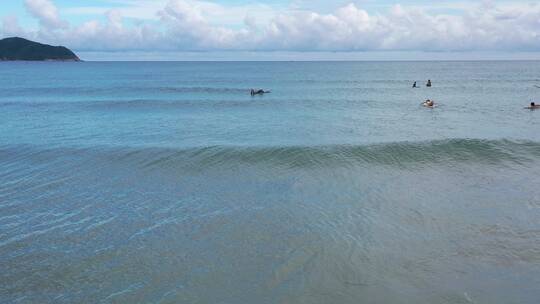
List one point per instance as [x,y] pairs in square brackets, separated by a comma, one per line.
[15,48]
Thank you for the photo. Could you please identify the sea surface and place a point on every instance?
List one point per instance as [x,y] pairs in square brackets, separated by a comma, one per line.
[168,183]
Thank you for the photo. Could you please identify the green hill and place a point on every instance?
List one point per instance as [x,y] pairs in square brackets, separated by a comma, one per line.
[21,49]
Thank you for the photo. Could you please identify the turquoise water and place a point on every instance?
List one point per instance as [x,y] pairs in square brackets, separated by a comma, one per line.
[169,183]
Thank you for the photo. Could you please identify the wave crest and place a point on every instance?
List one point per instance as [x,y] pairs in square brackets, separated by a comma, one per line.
[399,154]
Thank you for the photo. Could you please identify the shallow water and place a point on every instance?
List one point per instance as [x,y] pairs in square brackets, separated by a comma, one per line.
[169,183]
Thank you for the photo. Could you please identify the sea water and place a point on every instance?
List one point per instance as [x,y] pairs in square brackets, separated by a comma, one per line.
[142,182]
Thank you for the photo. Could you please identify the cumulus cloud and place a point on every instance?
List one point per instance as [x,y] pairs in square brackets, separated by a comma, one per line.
[114,35]
[187,25]
[11,27]
[350,28]
[189,28]
[46,12]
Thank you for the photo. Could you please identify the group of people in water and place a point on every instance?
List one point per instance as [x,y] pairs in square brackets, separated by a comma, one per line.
[431,103]
[428,103]
[428,84]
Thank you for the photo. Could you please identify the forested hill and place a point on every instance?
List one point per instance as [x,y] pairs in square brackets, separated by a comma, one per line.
[22,49]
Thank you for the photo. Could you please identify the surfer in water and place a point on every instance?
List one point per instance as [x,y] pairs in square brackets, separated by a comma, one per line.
[414,85]
[428,103]
[533,106]
[428,84]
[258,92]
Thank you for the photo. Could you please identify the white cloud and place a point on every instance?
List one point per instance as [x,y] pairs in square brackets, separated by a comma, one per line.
[112,35]
[351,28]
[11,27]
[47,14]
[137,9]
[187,25]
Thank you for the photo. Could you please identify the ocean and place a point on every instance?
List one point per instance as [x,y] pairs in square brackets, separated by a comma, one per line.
[166,182]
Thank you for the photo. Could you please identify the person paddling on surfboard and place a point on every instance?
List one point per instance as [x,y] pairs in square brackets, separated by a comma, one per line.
[258,92]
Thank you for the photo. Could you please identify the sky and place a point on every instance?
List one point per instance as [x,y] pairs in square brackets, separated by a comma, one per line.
[279,30]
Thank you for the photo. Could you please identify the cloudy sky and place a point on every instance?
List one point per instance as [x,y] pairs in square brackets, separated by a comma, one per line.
[281,29]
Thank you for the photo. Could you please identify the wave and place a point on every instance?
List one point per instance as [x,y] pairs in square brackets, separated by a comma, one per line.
[124,103]
[220,90]
[77,91]
[397,154]
[176,102]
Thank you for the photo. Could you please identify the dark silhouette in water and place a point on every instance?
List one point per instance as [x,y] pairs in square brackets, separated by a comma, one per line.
[16,48]
[428,84]
[258,92]
[414,85]
[533,106]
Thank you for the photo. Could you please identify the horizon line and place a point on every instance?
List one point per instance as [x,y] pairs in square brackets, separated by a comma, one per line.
[280,60]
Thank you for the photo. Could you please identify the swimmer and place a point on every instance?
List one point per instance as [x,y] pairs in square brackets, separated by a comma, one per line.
[428,84]
[258,92]
[533,106]
[428,103]
[414,85]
